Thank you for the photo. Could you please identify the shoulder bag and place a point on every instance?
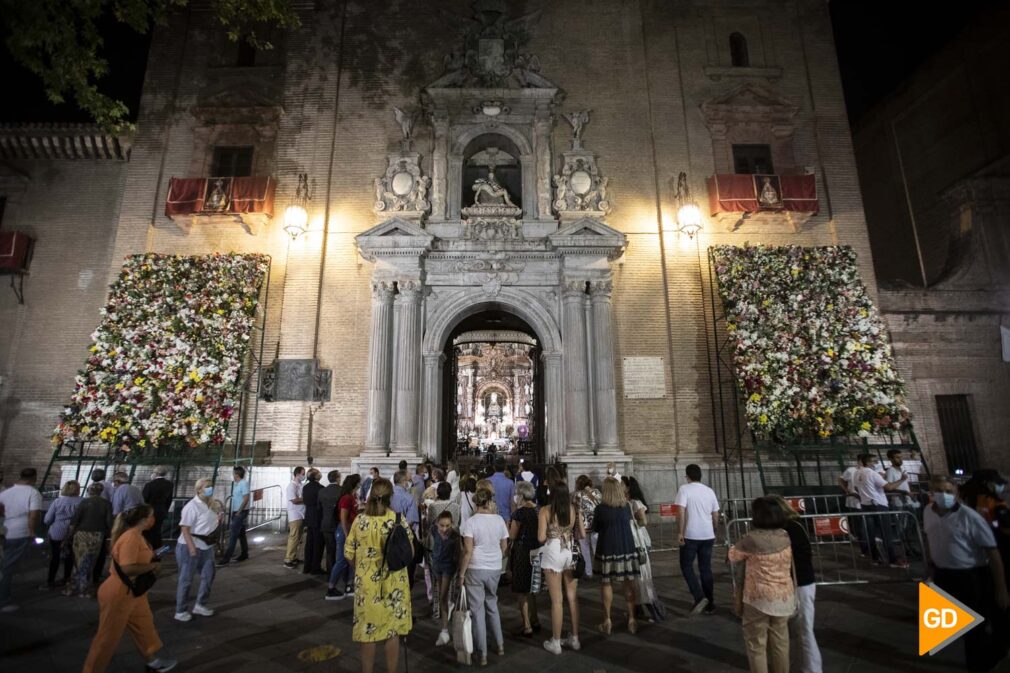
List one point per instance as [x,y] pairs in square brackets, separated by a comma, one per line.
[140,584]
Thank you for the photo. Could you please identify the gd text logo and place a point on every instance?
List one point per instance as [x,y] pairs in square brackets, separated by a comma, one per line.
[942,619]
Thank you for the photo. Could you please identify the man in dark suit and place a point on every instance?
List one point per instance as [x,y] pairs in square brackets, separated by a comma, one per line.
[329,497]
[313,519]
[158,494]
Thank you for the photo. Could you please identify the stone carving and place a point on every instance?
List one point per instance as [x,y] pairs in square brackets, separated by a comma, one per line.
[492,229]
[492,271]
[601,287]
[296,380]
[491,55]
[579,187]
[578,120]
[406,122]
[573,288]
[493,216]
[403,190]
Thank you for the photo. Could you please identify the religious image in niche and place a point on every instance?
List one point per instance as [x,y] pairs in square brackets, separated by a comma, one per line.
[768,190]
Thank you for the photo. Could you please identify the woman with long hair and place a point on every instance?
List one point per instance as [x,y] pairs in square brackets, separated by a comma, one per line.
[586,498]
[648,600]
[381,597]
[199,525]
[485,539]
[89,528]
[118,608]
[347,510]
[616,557]
[768,597]
[467,488]
[523,533]
[805,657]
[559,526]
[58,518]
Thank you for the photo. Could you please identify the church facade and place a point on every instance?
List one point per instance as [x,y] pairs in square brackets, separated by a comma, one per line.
[473,174]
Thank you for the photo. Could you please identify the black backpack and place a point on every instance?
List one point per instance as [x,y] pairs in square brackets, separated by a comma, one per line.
[397,552]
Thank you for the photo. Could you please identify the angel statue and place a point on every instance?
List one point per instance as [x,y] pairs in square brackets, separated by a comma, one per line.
[406,122]
[578,120]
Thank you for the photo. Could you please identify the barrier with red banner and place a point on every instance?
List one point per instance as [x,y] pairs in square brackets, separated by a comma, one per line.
[831,526]
[257,494]
[668,510]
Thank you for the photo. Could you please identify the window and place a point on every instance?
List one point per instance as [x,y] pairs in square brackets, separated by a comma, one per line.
[753,159]
[246,54]
[3,206]
[958,433]
[738,51]
[232,162]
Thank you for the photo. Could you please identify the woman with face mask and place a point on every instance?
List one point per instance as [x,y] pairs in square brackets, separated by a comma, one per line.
[200,526]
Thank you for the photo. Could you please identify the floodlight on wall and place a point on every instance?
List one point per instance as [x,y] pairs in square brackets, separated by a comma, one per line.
[688,213]
[296,216]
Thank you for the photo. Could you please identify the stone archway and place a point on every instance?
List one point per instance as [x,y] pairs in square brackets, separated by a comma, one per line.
[444,314]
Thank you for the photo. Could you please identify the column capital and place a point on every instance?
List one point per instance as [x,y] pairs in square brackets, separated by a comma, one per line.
[382,290]
[601,288]
[573,289]
[409,290]
[434,358]
[551,358]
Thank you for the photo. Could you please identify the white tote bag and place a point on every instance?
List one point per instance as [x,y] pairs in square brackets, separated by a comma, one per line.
[462,631]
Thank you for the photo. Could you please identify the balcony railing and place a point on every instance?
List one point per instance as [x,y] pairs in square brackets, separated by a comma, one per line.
[739,197]
[247,200]
[15,251]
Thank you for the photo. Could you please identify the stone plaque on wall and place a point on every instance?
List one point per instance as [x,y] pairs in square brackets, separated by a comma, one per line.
[644,378]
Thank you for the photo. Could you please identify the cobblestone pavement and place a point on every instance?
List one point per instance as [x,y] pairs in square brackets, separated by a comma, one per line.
[271,619]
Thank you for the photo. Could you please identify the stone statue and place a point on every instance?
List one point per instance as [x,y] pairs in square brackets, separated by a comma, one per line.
[490,187]
[578,120]
[406,122]
[494,409]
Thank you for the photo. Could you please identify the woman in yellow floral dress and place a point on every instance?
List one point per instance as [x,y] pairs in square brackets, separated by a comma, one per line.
[381,597]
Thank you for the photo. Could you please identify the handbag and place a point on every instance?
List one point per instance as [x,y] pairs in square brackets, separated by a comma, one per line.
[140,584]
[537,573]
[462,629]
[636,536]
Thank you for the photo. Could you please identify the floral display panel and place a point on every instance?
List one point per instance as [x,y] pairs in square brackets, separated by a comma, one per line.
[165,362]
[810,351]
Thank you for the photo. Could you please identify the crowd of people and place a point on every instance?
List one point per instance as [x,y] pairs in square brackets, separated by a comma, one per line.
[468,536]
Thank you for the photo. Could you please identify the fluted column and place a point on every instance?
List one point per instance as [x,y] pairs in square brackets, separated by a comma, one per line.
[605,395]
[439,165]
[433,365]
[576,380]
[553,406]
[380,355]
[407,368]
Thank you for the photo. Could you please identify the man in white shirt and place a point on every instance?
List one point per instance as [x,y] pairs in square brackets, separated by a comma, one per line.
[21,507]
[872,490]
[966,563]
[698,510]
[296,516]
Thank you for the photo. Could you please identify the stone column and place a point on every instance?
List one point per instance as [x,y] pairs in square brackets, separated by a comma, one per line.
[605,396]
[553,406]
[380,352]
[542,128]
[433,364]
[407,368]
[590,350]
[576,386]
[439,166]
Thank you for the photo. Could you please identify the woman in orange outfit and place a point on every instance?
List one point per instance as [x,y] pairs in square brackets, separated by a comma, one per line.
[119,609]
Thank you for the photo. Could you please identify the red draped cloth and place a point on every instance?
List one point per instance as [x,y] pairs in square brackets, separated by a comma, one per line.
[185,196]
[252,195]
[739,194]
[14,247]
[246,195]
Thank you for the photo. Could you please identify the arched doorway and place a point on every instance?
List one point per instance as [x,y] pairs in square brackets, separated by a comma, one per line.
[492,389]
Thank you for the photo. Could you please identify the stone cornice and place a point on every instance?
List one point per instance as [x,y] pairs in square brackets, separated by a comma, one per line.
[62,142]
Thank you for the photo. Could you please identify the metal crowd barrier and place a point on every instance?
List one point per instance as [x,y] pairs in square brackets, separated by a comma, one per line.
[663,526]
[844,546]
[266,506]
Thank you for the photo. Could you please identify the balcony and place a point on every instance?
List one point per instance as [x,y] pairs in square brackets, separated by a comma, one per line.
[246,201]
[778,203]
[15,258]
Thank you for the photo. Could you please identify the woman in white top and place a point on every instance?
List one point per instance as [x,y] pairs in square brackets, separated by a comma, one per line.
[485,539]
[194,552]
[559,526]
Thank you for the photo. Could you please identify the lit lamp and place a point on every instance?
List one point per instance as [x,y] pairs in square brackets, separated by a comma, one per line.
[688,213]
[296,216]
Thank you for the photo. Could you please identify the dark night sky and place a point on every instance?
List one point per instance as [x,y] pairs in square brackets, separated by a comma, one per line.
[880,42]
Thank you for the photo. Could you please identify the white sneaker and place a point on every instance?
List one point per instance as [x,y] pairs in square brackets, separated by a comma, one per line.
[161,665]
[443,638]
[553,646]
[572,641]
[183,616]
[203,611]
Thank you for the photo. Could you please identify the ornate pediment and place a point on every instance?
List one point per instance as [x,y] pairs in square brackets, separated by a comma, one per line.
[589,236]
[491,52]
[395,236]
[751,101]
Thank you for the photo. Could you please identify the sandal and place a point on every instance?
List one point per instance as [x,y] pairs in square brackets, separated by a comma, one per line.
[605,628]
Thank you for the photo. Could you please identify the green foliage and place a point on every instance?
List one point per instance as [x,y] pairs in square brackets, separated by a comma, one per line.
[60,42]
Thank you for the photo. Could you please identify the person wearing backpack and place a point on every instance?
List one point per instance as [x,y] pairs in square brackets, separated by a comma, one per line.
[379,547]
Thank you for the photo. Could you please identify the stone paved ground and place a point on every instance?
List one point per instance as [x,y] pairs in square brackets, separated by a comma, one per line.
[267,615]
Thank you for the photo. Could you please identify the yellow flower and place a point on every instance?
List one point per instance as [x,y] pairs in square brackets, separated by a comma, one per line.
[108,434]
[220,311]
[137,381]
[120,386]
[824,433]
[755,397]
[142,443]
[831,352]
[194,376]
[865,425]
[763,419]
[93,349]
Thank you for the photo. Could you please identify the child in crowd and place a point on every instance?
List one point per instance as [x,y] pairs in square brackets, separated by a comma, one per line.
[444,563]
